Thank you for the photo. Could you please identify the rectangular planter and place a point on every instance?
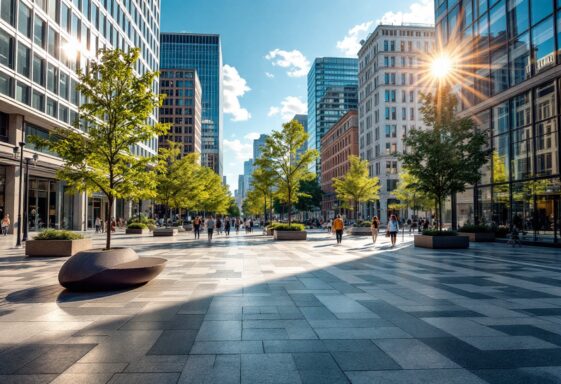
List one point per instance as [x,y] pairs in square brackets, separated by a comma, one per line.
[441,242]
[188,227]
[56,248]
[268,232]
[479,237]
[137,231]
[165,232]
[290,235]
[360,231]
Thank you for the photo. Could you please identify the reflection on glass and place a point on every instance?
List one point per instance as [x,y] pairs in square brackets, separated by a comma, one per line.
[521,110]
[520,68]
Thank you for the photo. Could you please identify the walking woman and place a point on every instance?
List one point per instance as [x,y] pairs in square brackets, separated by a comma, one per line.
[374,228]
[210,224]
[393,229]
[197,227]
[227,224]
[6,224]
[237,225]
[338,227]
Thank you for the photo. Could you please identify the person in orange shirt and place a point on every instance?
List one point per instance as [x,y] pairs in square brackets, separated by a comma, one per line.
[338,226]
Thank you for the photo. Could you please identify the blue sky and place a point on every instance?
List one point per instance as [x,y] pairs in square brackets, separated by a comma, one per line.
[267,47]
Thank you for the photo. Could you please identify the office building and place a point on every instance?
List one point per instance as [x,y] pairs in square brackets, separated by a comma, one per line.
[390,82]
[181,108]
[203,53]
[247,176]
[337,145]
[42,44]
[332,92]
[257,145]
[515,97]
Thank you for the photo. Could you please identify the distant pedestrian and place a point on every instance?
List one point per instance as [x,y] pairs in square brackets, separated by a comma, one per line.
[210,224]
[250,225]
[338,227]
[515,237]
[5,224]
[237,225]
[97,225]
[218,226]
[393,229]
[374,228]
[197,227]
[227,224]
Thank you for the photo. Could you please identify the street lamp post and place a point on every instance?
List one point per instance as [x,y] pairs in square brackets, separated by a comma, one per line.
[26,196]
[20,202]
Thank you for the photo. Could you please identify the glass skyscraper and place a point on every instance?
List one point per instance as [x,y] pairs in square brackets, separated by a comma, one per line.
[332,91]
[204,54]
[512,93]
[42,44]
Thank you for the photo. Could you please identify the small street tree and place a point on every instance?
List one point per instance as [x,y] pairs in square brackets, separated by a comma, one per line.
[263,182]
[213,196]
[312,195]
[448,155]
[115,117]
[356,186]
[281,154]
[233,209]
[409,195]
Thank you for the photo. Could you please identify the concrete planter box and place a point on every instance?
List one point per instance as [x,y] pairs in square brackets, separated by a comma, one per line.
[165,232]
[479,237]
[268,232]
[441,242]
[290,235]
[137,231]
[359,231]
[56,248]
[188,227]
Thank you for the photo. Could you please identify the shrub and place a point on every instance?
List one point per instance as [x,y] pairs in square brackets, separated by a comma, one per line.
[436,232]
[285,227]
[151,227]
[363,224]
[57,234]
[472,228]
[137,226]
[142,218]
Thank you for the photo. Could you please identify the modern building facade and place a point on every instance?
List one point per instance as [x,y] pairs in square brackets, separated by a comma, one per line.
[204,54]
[337,145]
[516,99]
[332,92]
[181,108]
[389,87]
[257,145]
[42,44]
[247,176]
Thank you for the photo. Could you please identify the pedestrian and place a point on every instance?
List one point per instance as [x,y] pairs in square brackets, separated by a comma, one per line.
[97,225]
[210,224]
[5,224]
[409,223]
[227,224]
[197,227]
[374,228]
[113,224]
[515,237]
[393,229]
[250,225]
[338,227]
[218,226]
[237,225]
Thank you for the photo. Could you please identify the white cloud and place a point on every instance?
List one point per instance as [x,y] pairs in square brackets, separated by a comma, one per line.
[269,75]
[350,45]
[235,87]
[238,150]
[294,60]
[290,106]
[252,136]
[420,11]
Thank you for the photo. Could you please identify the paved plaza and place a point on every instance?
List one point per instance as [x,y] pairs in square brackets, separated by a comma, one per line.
[250,310]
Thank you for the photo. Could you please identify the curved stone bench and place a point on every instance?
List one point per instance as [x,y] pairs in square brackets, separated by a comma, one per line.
[104,270]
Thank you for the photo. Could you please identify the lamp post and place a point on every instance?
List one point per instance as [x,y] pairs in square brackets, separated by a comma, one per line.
[20,202]
[26,195]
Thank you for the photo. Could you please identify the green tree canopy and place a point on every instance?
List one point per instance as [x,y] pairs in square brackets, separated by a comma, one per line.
[115,117]
[409,195]
[213,196]
[449,154]
[282,156]
[262,182]
[311,195]
[356,186]
[233,209]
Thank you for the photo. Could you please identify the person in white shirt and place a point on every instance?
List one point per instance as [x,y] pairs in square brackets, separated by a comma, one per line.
[393,229]
[210,224]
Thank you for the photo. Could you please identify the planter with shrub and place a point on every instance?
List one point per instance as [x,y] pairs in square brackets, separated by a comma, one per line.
[289,232]
[56,243]
[362,228]
[435,239]
[137,229]
[477,233]
[165,232]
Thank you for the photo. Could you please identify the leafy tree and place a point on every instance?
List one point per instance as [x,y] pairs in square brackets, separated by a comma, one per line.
[116,117]
[311,197]
[177,185]
[356,186]
[263,182]
[282,157]
[213,195]
[409,195]
[233,209]
[447,156]
[253,203]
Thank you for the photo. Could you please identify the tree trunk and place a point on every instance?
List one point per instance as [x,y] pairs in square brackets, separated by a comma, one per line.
[108,232]
[440,214]
[356,211]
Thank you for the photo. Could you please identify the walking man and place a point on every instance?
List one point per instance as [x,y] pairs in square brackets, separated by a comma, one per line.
[227,224]
[210,224]
[197,227]
[393,229]
[338,227]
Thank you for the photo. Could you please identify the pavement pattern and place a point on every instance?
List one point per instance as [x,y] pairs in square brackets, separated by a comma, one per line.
[247,309]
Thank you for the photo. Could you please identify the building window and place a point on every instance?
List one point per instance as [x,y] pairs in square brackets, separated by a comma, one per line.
[518,17]
[52,108]
[38,101]
[6,49]
[540,9]
[24,56]
[519,50]
[3,128]
[39,32]
[52,78]
[39,70]
[24,20]
[5,84]
[543,45]
[22,92]
[7,11]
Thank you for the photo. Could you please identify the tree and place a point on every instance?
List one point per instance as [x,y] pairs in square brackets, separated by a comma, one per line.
[116,113]
[281,155]
[253,203]
[233,209]
[448,155]
[356,186]
[263,182]
[213,196]
[311,197]
[409,195]
[177,185]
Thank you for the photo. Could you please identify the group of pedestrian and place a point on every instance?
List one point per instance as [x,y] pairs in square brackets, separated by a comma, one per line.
[392,229]
[101,226]
[220,225]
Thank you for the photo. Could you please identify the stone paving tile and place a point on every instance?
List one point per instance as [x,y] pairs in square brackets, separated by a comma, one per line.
[247,309]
